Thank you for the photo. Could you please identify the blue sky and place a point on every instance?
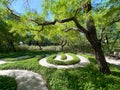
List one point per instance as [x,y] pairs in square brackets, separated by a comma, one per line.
[19,5]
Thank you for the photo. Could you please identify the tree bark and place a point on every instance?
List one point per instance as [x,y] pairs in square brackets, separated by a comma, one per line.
[40,48]
[63,43]
[100,58]
[91,36]
[12,45]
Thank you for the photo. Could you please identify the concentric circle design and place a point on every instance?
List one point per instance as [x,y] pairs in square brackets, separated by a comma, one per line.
[82,62]
[57,59]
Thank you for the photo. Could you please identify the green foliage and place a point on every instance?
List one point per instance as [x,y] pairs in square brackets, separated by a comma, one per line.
[86,78]
[63,56]
[18,58]
[7,83]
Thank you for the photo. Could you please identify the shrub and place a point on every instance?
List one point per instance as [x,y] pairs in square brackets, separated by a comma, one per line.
[7,83]
[63,56]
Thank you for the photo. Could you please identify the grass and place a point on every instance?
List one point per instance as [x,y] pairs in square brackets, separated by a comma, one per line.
[75,60]
[87,78]
[7,83]
[18,58]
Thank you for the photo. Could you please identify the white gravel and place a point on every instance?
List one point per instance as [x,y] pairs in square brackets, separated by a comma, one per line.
[113,61]
[82,63]
[26,80]
[3,62]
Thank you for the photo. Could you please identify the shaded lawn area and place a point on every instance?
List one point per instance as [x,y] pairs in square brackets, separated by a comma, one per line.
[87,78]
[24,53]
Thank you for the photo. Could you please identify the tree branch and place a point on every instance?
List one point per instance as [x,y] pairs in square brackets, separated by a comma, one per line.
[42,28]
[12,13]
[101,34]
[66,20]
[76,11]
[80,28]
[73,28]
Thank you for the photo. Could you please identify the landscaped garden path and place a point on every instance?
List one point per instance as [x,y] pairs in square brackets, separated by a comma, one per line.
[82,63]
[26,80]
[115,62]
[3,62]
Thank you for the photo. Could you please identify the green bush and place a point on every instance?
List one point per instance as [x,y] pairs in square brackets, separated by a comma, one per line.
[63,56]
[7,83]
[51,59]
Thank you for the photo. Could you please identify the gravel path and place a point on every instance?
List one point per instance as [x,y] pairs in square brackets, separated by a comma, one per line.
[26,80]
[82,63]
[3,62]
[113,61]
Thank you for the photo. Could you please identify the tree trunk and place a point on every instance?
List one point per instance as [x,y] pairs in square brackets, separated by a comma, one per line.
[12,45]
[40,47]
[96,45]
[62,47]
[102,64]
[64,42]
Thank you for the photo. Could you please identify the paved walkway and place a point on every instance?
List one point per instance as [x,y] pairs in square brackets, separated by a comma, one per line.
[82,63]
[113,61]
[26,80]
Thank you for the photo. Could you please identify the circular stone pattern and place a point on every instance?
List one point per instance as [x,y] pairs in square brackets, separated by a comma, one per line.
[26,80]
[45,62]
[71,59]
[7,83]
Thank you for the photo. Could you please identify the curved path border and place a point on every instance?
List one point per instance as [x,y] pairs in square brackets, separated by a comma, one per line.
[26,80]
[82,63]
[113,61]
[3,62]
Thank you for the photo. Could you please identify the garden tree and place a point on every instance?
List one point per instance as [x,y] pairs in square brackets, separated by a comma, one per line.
[60,9]
[108,26]
[82,15]
[110,39]
[85,12]
[63,37]
[6,38]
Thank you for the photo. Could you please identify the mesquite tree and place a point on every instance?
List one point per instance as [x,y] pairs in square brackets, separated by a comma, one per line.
[85,18]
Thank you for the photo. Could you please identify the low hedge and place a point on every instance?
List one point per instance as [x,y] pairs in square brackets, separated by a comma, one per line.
[7,83]
[63,56]
[51,59]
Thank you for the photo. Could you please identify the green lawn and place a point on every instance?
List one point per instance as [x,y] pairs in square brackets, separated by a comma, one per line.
[87,78]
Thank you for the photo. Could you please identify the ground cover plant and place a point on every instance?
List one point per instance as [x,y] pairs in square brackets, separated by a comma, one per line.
[7,83]
[86,78]
[18,58]
[75,60]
